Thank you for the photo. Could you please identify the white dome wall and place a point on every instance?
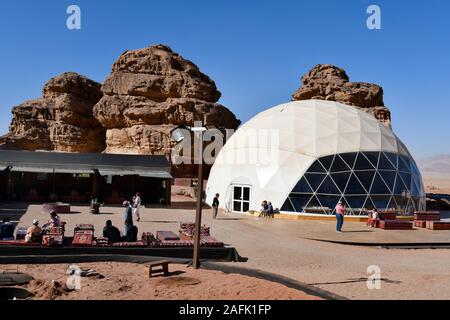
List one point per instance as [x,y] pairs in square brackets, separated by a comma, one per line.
[306,130]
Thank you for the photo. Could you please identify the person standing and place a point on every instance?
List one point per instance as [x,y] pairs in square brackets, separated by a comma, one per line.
[340,212]
[128,219]
[215,205]
[137,205]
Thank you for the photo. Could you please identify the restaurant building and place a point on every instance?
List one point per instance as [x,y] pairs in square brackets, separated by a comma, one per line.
[79,177]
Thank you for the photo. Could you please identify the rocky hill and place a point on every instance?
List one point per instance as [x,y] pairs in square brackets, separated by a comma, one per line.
[328,82]
[61,120]
[149,92]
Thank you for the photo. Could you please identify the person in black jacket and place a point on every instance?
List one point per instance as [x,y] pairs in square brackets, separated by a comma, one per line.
[6,230]
[215,205]
[111,232]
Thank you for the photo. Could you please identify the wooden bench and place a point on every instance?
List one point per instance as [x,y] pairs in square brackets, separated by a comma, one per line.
[395,225]
[438,225]
[385,215]
[427,216]
[420,223]
[164,264]
[388,215]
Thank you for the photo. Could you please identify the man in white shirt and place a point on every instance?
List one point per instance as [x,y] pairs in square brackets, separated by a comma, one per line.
[137,205]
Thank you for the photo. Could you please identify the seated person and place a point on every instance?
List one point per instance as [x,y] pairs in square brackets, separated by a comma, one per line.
[34,233]
[53,222]
[54,219]
[264,208]
[131,234]
[270,210]
[373,218]
[111,232]
[6,230]
[369,218]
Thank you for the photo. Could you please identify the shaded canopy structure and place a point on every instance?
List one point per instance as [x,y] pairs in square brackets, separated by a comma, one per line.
[305,156]
[78,177]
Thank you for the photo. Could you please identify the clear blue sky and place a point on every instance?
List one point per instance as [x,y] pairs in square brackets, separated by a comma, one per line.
[255,50]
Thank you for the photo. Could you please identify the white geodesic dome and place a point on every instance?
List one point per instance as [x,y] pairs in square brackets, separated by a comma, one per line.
[272,151]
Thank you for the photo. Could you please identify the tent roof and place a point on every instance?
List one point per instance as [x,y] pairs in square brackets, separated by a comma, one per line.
[114,164]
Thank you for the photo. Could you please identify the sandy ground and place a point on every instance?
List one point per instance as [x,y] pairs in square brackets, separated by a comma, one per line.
[437,182]
[127,281]
[282,247]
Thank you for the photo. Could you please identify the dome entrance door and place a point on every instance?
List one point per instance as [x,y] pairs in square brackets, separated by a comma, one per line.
[241,198]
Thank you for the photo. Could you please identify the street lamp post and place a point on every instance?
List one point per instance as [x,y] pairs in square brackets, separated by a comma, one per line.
[198,214]
[178,135]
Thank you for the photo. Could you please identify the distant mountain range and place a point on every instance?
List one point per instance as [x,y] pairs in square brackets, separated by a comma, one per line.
[436,164]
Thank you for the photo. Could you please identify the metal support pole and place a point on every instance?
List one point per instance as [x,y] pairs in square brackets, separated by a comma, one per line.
[198,215]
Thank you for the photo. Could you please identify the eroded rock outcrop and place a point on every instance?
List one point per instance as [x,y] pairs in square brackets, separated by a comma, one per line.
[329,82]
[151,91]
[61,120]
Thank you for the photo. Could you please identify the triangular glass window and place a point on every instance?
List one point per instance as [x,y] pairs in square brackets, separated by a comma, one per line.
[406,177]
[314,206]
[399,188]
[403,164]
[328,187]
[369,204]
[354,187]
[366,178]
[385,163]
[317,167]
[302,186]
[373,157]
[379,187]
[341,179]
[392,158]
[357,203]
[392,205]
[315,179]
[389,178]
[415,191]
[327,161]
[349,158]
[287,206]
[380,202]
[299,201]
[339,165]
[362,163]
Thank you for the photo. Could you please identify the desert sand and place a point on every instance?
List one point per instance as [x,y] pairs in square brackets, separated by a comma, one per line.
[285,248]
[128,281]
[437,182]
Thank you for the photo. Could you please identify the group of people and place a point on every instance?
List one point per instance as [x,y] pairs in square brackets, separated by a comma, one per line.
[35,233]
[266,209]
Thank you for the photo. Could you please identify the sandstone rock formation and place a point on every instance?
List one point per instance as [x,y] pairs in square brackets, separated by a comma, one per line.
[151,91]
[328,82]
[61,120]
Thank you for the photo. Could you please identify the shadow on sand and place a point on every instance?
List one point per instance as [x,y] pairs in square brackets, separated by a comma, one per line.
[358,231]
[354,280]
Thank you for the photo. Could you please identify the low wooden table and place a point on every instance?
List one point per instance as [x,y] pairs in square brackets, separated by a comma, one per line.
[59,207]
[164,264]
